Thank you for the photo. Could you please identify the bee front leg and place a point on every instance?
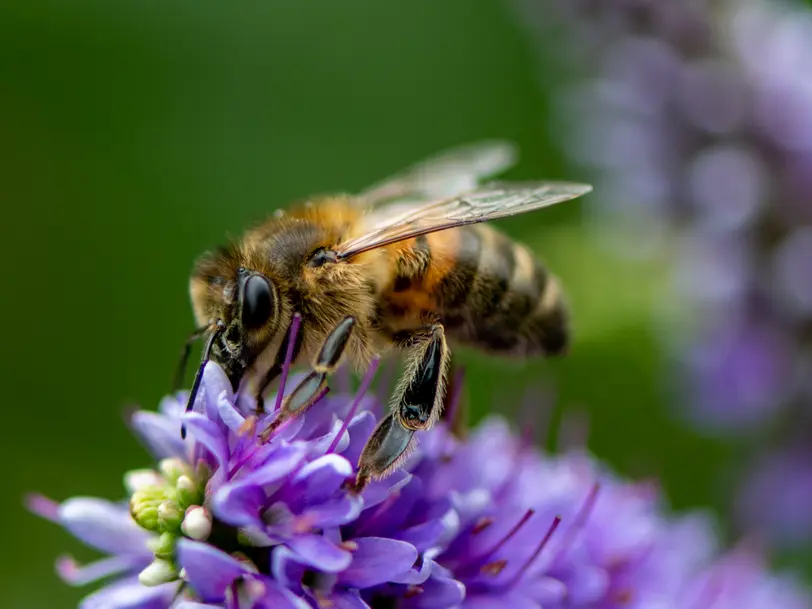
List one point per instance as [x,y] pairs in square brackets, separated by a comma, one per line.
[309,388]
[416,405]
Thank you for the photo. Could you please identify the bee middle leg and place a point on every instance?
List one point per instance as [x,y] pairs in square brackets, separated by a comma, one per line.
[417,403]
[311,386]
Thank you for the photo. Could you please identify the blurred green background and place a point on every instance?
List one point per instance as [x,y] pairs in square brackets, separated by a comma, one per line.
[136,134]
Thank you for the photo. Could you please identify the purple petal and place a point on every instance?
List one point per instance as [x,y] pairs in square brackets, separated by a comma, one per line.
[192,605]
[588,585]
[228,414]
[321,478]
[416,575]
[361,427]
[439,592]
[320,417]
[322,444]
[104,525]
[75,575]
[130,594]
[160,433]
[207,433]
[239,504]
[208,570]
[286,568]
[321,553]
[216,383]
[277,597]
[334,512]
[376,561]
[546,590]
[499,601]
[172,406]
[43,507]
[348,600]
[378,491]
[278,463]
[394,518]
[426,535]
[289,431]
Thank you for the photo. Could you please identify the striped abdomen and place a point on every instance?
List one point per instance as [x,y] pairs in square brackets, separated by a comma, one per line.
[487,291]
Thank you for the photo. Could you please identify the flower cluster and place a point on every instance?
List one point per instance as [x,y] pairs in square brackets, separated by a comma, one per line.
[697,119]
[477,523]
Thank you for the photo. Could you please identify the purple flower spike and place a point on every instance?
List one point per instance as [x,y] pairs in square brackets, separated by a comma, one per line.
[225,522]
[694,120]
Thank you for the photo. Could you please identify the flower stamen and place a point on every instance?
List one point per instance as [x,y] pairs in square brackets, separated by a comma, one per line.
[413,590]
[542,544]
[456,395]
[292,334]
[578,523]
[493,568]
[472,564]
[481,524]
[362,391]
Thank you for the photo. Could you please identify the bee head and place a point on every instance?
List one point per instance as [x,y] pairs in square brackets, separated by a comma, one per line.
[239,303]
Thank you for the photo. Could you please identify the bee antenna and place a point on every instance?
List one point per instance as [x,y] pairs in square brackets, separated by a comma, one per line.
[180,370]
[219,328]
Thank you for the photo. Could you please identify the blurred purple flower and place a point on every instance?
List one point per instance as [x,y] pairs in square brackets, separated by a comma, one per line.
[738,581]
[480,523]
[738,371]
[107,527]
[784,477]
[695,119]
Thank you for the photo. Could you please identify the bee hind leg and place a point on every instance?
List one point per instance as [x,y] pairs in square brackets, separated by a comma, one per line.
[419,396]
[388,446]
[417,404]
[310,387]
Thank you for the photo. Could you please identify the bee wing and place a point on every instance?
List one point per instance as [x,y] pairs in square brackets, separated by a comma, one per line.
[397,222]
[447,174]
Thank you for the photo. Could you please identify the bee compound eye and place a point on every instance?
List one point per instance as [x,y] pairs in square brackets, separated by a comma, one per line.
[257,302]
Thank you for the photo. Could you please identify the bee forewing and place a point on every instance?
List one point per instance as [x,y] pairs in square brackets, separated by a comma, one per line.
[449,173]
[396,222]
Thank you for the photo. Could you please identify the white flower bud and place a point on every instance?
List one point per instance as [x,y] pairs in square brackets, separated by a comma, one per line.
[197,523]
[140,479]
[185,483]
[157,573]
[172,469]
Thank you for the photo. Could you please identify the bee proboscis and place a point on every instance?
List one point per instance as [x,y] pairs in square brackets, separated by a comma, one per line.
[403,266]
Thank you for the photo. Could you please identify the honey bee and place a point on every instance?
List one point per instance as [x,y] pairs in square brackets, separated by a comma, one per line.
[407,266]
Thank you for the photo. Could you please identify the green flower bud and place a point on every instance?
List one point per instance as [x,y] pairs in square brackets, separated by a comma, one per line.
[188,492]
[144,507]
[169,516]
[163,546]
